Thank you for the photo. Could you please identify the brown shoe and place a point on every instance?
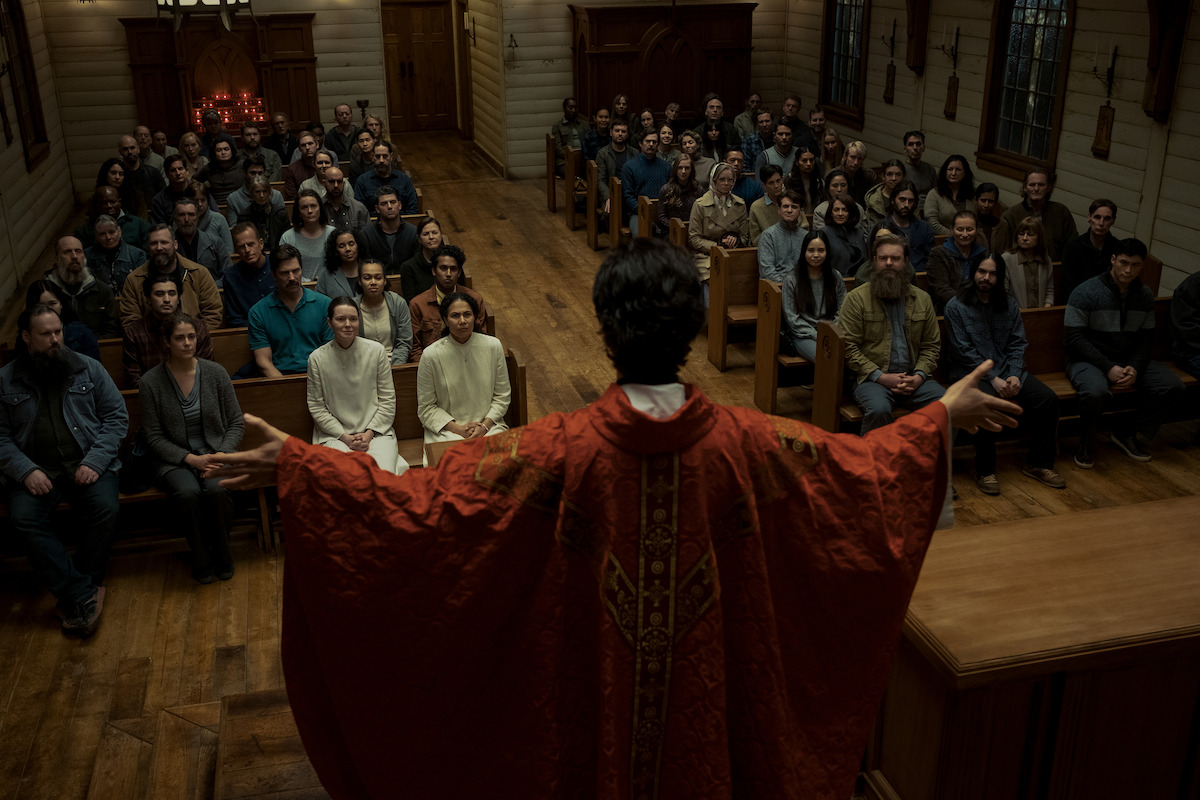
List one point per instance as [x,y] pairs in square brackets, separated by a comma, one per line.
[988,484]
[1046,476]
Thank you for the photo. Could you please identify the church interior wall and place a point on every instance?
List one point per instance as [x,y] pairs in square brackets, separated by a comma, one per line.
[1152,167]
[1177,224]
[1151,172]
[538,72]
[32,202]
[488,80]
[91,58]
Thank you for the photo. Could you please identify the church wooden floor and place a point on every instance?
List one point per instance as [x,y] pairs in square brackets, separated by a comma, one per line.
[136,712]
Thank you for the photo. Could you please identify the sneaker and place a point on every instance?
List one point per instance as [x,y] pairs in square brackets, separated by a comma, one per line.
[988,484]
[1131,447]
[86,617]
[225,573]
[1083,456]
[204,575]
[1046,476]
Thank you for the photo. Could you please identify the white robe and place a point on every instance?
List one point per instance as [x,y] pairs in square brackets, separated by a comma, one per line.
[349,391]
[462,383]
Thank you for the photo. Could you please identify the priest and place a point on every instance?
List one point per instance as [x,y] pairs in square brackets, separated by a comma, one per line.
[652,597]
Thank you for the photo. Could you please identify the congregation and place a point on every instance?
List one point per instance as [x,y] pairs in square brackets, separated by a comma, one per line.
[302,239]
[888,252]
[298,240]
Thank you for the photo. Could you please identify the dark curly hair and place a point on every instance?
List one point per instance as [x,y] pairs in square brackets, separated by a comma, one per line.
[453,251]
[650,305]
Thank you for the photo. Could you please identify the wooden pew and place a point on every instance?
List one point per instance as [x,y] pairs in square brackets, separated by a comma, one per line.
[679,233]
[231,349]
[617,230]
[284,403]
[647,216]
[1044,358]
[551,158]
[732,297]
[593,205]
[768,355]
[574,158]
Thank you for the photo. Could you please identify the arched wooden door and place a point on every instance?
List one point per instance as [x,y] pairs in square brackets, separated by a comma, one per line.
[676,63]
[418,50]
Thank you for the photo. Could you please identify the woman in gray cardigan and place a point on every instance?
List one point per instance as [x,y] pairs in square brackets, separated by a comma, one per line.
[189,413]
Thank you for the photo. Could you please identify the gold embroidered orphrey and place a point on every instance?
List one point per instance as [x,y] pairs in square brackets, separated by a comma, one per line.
[653,613]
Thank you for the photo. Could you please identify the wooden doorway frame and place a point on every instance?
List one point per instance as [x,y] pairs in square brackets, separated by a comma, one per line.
[454,35]
[463,42]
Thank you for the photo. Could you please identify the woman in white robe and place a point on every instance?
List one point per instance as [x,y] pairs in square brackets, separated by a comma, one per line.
[350,392]
[462,380]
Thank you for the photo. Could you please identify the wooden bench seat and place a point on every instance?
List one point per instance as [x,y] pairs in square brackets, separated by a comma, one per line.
[574,161]
[647,216]
[678,234]
[1044,358]
[551,180]
[732,297]
[284,403]
[617,230]
[592,180]
[769,359]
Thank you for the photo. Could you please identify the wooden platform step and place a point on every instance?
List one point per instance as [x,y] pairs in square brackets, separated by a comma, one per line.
[259,752]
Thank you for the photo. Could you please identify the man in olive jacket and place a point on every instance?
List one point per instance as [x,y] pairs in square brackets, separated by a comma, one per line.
[892,337]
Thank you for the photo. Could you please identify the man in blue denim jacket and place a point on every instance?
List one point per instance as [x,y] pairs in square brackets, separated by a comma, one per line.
[61,422]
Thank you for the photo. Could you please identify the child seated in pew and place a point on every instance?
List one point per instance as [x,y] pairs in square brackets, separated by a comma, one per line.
[1030,273]
[813,291]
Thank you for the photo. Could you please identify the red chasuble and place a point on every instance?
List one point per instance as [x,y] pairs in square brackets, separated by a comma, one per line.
[605,605]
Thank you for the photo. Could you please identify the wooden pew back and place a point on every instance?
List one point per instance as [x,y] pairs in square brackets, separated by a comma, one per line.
[1044,357]
[231,349]
[593,205]
[647,216]
[616,213]
[551,196]
[574,159]
[679,233]
[732,297]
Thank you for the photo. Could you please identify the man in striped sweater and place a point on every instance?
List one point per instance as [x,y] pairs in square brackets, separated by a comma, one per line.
[1109,341]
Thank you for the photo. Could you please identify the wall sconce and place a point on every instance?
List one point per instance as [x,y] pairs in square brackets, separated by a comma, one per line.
[222,8]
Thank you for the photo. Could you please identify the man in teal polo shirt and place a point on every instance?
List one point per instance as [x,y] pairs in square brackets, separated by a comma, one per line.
[288,324]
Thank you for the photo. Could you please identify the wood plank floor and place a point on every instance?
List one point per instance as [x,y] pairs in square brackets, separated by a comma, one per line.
[134,712]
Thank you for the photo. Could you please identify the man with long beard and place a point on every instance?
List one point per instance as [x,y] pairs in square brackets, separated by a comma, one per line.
[91,299]
[892,338]
[60,426]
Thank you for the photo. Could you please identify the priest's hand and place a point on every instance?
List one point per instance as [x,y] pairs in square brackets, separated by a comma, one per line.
[250,469]
[972,409]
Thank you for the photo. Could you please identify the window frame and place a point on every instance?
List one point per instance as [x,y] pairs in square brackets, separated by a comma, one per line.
[851,115]
[31,121]
[989,156]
